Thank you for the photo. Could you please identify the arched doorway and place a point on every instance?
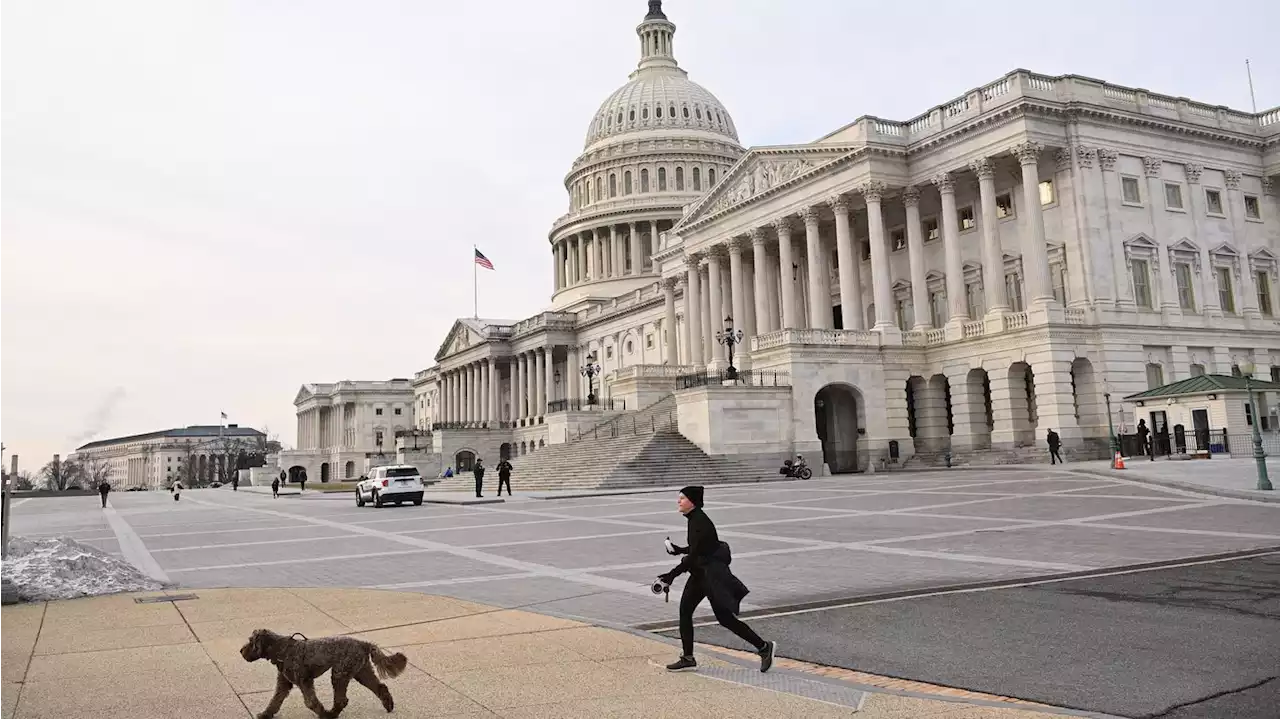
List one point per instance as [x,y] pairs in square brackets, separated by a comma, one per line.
[295,473]
[1086,395]
[464,460]
[1022,403]
[324,472]
[837,410]
[982,420]
[349,470]
[504,450]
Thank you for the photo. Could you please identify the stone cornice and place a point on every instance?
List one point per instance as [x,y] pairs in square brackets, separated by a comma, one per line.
[632,149]
[570,224]
[641,159]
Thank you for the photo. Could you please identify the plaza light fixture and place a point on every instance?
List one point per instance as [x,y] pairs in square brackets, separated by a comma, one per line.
[1259,457]
[1111,428]
[729,337]
[590,370]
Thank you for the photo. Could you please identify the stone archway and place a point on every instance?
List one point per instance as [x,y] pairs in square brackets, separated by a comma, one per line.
[1086,395]
[838,410]
[324,472]
[349,470]
[982,420]
[1022,404]
[464,460]
[296,472]
[504,450]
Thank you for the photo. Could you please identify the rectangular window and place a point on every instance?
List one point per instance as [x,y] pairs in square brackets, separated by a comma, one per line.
[1197,370]
[1058,274]
[648,341]
[973,300]
[1141,283]
[866,250]
[1047,194]
[1186,290]
[608,352]
[1213,202]
[1130,190]
[966,218]
[1226,298]
[377,437]
[1275,374]
[378,411]
[1013,288]
[1004,205]
[898,239]
[903,310]
[1263,280]
[1252,209]
[938,312]
[931,229]
[1173,196]
[397,411]
[1155,376]
[1248,413]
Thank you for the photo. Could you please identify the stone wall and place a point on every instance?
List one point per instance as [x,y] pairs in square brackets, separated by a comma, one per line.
[737,421]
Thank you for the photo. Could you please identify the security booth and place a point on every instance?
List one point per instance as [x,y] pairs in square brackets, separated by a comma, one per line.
[1203,416]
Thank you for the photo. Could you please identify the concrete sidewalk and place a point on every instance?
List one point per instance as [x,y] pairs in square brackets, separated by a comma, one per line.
[180,657]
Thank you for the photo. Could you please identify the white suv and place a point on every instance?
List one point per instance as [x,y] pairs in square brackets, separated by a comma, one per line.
[396,484]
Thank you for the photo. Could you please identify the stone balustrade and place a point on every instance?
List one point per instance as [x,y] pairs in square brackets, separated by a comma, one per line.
[973,329]
[820,338]
[1015,321]
[647,371]
[935,337]
[1075,316]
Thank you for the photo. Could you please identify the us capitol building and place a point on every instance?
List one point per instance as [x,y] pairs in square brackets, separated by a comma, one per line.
[960,281]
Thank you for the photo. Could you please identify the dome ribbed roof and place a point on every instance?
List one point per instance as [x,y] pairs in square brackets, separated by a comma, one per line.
[656,101]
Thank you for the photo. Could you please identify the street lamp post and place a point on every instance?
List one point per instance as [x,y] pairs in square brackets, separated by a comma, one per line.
[1259,456]
[729,337]
[590,370]
[1111,428]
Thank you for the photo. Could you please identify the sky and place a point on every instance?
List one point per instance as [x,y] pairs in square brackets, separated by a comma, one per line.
[206,204]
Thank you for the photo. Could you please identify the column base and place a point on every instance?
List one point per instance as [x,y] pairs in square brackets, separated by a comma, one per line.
[889,333]
[1043,312]
[954,328]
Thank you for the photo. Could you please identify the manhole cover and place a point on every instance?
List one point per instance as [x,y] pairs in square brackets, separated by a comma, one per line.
[170,598]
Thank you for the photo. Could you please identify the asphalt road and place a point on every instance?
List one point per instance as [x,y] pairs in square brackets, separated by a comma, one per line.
[1198,641]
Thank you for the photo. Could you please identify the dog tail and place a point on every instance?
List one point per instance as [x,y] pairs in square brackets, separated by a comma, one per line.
[388,666]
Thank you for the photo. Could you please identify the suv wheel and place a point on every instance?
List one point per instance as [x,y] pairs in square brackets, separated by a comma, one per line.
[377,501]
[359,498]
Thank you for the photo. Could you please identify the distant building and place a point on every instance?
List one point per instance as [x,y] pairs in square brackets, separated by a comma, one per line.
[342,424]
[156,459]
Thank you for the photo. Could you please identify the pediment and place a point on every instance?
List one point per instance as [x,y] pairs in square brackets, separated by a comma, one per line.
[460,337]
[1141,240]
[304,393]
[1184,245]
[1226,249]
[934,276]
[1262,256]
[901,286]
[762,171]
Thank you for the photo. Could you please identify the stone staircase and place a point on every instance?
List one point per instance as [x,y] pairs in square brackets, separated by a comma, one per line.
[1093,449]
[638,449]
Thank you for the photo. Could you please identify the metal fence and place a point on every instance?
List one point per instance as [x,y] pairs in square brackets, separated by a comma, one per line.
[580,405]
[657,417]
[749,378]
[1204,441]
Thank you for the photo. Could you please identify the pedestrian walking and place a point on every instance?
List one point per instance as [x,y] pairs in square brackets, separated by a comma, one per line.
[275,489]
[504,476]
[1143,433]
[302,480]
[177,489]
[1055,444]
[103,489]
[478,471]
[707,559]
[235,482]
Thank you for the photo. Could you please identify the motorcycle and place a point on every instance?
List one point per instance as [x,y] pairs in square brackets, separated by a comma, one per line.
[792,470]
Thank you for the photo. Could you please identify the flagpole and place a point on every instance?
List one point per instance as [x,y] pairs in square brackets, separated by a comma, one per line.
[475,284]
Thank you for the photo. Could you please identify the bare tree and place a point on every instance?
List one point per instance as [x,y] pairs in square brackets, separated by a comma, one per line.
[24,481]
[61,474]
[94,470]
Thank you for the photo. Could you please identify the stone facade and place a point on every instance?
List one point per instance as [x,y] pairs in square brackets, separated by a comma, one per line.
[960,281]
[344,427]
[156,459]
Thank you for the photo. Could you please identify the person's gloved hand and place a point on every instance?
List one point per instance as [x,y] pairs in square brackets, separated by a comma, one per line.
[666,579]
[671,548]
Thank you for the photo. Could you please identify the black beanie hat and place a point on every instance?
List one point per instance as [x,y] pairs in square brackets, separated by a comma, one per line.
[694,494]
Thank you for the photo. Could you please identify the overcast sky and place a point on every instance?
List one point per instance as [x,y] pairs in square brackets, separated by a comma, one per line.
[208,204]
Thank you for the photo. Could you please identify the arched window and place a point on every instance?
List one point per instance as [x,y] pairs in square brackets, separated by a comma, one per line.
[644,180]
[626,182]
[697,111]
[672,109]
[686,112]
[619,118]
[711,177]
[662,179]
[587,195]
[658,112]
[613,185]
[632,115]
[697,179]
[679,178]
[644,113]
[599,189]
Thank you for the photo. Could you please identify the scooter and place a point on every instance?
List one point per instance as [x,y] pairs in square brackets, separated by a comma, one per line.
[794,471]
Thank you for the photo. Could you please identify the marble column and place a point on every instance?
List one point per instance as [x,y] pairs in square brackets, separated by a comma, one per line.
[1248,290]
[671,353]
[992,252]
[555,266]
[471,392]
[851,314]
[915,258]
[572,365]
[491,390]
[714,277]
[1035,258]
[749,295]
[737,286]
[1168,289]
[708,320]
[786,274]
[760,275]
[881,290]
[634,238]
[597,255]
[513,384]
[956,305]
[819,291]
[539,389]
[584,270]
[1206,288]
[521,369]
[548,378]
[616,262]
[693,309]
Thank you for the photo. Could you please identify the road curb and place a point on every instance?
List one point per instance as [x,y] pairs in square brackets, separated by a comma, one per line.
[1256,495]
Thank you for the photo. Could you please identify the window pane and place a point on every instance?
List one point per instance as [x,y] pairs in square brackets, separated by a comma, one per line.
[1004,205]
[931,229]
[1129,187]
[1213,201]
[1058,274]
[1186,291]
[1046,192]
[1263,282]
[973,300]
[1251,208]
[1141,284]
[1173,196]
[966,218]
[1226,297]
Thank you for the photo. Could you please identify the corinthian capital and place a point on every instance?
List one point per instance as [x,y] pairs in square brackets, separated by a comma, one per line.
[984,168]
[1063,158]
[740,244]
[1107,158]
[872,190]
[944,182]
[1232,178]
[692,260]
[911,196]
[1086,156]
[1268,186]
[1152,166]
[809,215]
[839,204]
[783,226]
[757,236]
[670,283]
[1028,153]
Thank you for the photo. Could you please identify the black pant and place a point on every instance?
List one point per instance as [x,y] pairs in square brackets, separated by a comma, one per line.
[479,485]
[1054,456]
[504,481]
[693,595]
[104,499]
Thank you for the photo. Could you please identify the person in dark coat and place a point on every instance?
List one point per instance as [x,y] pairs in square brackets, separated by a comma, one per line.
[1055,444]
[478,471]
[707,559]
[275,489]
[103,489]
[504,476]
[1143,433]
[302,481]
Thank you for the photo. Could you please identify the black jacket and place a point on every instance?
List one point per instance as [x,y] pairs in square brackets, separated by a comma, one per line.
[504,469]
[1054,440]
[707,560]
[478,471]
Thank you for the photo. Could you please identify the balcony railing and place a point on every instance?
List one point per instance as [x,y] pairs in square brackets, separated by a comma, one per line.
[472,425]
[747,378]
[581,405]
[659,371]
[837,338]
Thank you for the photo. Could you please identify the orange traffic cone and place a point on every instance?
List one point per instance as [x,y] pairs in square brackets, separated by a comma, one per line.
[1119,461]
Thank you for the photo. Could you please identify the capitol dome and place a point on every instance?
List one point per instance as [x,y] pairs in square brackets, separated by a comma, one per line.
[658,101]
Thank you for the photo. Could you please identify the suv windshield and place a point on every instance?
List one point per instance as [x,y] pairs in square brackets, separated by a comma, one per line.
[402,472]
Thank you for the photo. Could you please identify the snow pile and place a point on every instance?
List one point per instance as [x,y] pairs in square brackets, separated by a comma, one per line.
[51,568]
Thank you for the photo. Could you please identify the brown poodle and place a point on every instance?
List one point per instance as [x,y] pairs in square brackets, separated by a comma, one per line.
[301,661]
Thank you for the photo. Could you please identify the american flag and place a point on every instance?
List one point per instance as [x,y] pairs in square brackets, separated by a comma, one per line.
[483,261]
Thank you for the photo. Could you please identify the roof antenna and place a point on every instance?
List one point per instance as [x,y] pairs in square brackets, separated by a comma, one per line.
[1252,99]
